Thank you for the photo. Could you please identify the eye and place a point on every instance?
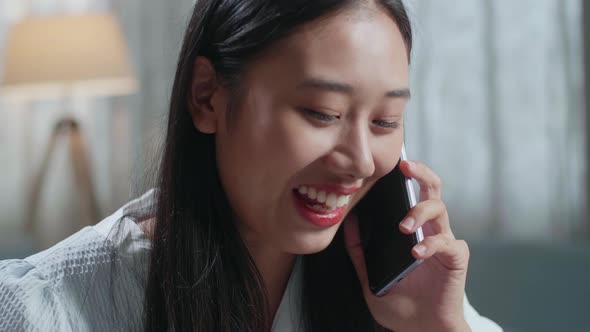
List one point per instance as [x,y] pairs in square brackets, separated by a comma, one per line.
[320,115]
[386,124]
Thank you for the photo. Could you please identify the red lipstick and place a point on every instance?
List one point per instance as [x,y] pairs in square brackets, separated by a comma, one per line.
[329,216]
[321,219]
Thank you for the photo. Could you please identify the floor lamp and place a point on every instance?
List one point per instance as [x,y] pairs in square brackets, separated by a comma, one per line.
[66,57]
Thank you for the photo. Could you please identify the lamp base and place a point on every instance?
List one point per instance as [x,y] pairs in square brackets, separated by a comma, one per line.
[66,127]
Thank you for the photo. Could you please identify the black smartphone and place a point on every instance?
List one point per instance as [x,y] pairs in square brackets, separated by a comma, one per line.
[388,251]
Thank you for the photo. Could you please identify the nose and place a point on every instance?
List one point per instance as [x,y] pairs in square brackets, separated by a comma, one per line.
[352,157]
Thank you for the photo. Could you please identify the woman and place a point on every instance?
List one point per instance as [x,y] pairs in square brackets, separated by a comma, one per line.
[283,114]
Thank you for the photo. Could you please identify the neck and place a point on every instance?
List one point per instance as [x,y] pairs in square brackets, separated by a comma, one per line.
[275,268]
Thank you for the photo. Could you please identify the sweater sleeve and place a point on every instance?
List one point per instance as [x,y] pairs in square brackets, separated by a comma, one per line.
[27,300]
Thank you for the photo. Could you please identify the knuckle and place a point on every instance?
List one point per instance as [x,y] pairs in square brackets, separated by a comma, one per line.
[448,239]
[436,183]
[463,244]
[443,240]
[441,207]
[464,247]
[419,209]
[431,241]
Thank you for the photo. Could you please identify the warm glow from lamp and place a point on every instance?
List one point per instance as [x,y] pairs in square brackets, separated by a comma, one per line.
[67,55]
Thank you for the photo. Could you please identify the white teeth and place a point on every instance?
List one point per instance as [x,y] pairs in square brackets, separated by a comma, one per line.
[331,200]
[311,193]
[327,199]
[341,201]
[321,197]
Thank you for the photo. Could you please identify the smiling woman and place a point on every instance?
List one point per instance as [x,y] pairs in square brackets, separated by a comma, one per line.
[283,115]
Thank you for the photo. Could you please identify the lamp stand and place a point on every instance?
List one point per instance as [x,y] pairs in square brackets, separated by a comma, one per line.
[69,128]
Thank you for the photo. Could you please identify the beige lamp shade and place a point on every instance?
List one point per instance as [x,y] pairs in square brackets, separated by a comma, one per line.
[57,55]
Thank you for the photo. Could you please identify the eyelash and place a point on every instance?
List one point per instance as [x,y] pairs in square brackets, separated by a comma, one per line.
[328,118]
[320,116]
[387,124]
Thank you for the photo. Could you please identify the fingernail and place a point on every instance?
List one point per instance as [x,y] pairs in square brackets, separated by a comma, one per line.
[408,223]
[411,164]
[420,249]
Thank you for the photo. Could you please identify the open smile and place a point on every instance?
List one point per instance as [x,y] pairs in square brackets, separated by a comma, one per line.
[322,205]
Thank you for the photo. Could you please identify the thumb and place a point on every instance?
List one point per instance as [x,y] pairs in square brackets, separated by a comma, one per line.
[353,245]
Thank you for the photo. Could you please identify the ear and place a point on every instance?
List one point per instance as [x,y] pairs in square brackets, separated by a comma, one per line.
[204,104]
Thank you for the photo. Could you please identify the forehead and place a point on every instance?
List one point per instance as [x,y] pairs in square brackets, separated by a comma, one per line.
[362,50]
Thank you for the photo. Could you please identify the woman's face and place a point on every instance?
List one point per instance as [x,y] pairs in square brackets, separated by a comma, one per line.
[319,122]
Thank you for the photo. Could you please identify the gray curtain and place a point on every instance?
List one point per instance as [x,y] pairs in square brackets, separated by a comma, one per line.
[496,111]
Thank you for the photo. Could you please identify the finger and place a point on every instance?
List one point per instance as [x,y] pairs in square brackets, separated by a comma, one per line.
[430,183]
[451,253]
[355,249]
[434,212]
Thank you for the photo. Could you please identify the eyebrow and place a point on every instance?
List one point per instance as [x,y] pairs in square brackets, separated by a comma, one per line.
[333,86]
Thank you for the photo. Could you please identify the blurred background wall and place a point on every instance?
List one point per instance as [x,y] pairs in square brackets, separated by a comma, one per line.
[497,111]
[122,133]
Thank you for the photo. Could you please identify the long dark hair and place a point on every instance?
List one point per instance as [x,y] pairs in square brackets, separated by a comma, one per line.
[201,276]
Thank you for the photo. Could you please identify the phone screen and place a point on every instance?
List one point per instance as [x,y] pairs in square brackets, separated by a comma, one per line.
[387,250]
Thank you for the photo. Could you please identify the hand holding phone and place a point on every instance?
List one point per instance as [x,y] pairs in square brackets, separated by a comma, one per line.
[388,251]
[383,254]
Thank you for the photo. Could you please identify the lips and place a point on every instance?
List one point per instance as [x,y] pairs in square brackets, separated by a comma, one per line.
[322,205]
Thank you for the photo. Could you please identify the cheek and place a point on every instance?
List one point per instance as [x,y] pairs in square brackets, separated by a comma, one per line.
[301,143]
[245,144]
[243,155]
[267,148]
[386,153]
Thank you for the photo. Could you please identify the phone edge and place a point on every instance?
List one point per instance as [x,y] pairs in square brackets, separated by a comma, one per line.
[419,234]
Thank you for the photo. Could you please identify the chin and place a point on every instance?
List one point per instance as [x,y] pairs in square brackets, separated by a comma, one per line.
[311,243]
